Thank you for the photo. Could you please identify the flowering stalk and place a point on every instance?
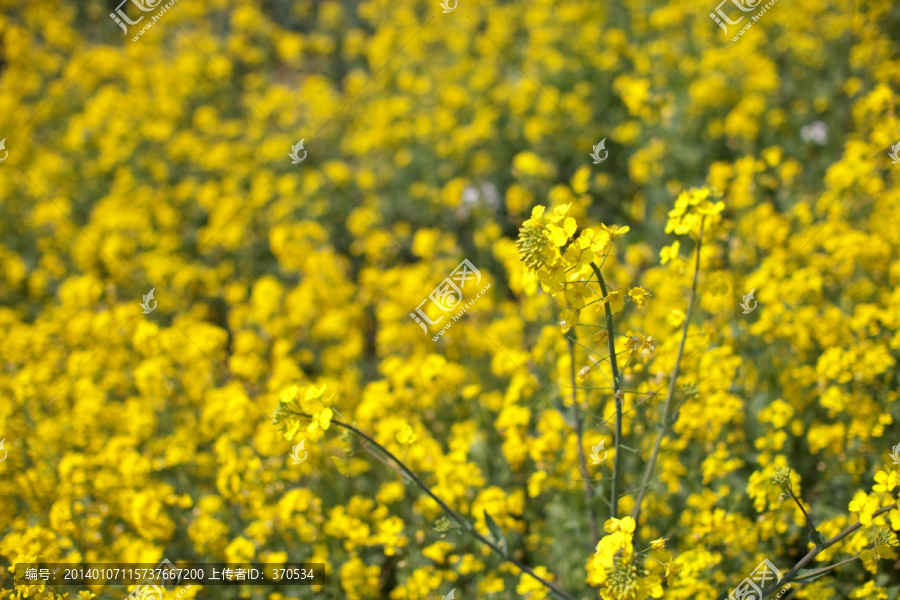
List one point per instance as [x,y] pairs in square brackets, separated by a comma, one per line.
[786,485]
[671,393]
[824,570]
[792,574]
[610,339]
[453,514]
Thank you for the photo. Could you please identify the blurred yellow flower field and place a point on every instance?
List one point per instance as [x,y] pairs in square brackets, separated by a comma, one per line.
[452,298]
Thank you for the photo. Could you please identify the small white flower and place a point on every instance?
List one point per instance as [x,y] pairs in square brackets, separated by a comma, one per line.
[816,132]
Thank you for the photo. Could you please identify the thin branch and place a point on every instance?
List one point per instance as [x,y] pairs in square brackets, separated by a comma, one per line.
[825,569]
[611,340]
[590,350]
[582,461]
[792,574]
[453,514]
[636,513]
[809,521]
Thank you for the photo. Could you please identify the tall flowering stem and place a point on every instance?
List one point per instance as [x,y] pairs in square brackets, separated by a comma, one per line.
[290,414]
[610,339]
[792,575]
[648,472]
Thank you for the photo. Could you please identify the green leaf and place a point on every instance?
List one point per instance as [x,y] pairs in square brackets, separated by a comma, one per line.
[818,539]
[802,572]
[496,532]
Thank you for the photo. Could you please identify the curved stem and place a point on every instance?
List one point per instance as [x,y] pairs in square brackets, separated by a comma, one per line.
[648,472]
[809,521]
[456,516]
[825,569]
[792,574]
[611,336]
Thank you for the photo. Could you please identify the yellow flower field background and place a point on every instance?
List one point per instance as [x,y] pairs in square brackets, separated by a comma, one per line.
[674,355]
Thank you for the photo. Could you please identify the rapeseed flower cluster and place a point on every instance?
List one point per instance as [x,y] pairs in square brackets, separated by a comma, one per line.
[606,421]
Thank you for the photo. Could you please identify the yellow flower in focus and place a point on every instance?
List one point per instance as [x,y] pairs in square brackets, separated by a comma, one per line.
[616,301]
[568,319]
[625,524]
[579,254]
[639,295]
[576,294]
[672,569]
[615,232]
[885,481]
[321,420]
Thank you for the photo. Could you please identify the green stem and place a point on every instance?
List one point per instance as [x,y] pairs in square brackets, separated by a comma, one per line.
[809,521]
[825,569]
[648,472]
[453,514]
[792,574]
[610,337]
